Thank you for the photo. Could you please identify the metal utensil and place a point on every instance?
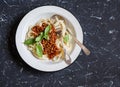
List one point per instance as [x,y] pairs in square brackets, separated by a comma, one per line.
[85,49]
[67,57]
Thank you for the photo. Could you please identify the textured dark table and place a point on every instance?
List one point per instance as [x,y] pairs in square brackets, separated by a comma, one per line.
[100,21]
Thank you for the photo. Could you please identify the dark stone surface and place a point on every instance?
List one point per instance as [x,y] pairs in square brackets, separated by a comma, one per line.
[100,21]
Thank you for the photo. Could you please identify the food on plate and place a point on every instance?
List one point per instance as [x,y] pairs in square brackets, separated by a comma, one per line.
[47,38]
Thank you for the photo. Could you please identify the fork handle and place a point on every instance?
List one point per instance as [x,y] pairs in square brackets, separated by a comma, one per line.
[85,50]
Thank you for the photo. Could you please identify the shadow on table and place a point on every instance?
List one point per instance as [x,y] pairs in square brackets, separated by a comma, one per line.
[12,47]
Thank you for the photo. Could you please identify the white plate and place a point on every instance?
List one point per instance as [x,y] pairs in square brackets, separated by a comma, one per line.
[30,19]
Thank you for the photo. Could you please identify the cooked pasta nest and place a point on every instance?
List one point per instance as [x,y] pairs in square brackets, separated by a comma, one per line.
[45,42]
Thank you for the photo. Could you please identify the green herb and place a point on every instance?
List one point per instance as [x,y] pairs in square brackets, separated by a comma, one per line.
[66,38]
[46,37]
[39,50]
[47,29]
[40,37]
[29,41]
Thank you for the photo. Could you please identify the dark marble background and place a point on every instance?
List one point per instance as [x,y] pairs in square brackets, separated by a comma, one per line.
[100,21]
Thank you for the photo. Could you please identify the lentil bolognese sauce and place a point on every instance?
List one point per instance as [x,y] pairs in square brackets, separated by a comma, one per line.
[49,46]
